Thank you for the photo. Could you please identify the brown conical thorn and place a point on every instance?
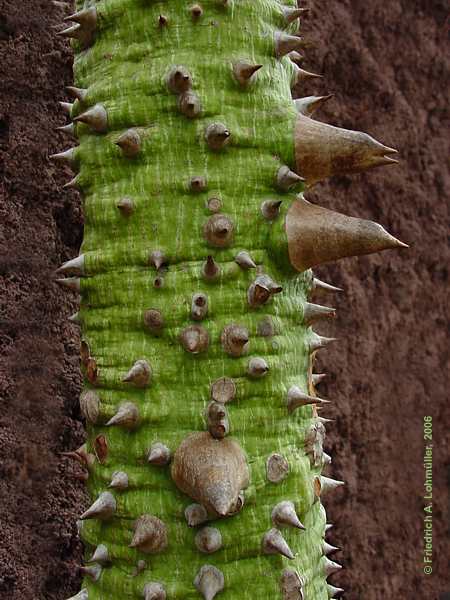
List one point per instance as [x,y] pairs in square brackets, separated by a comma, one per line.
[199,306]
[334,592]
[274,543]
[328,548]
[163,21]
[323,484]
[140,374]
[130,143]
[211,472]
[119,481]
[295,57]
[257,367]
[75,266]
[81,455]
[194,339]
[208,540]
[77,93]
[75,318]
[159,455]
[316,312]
[210,269]
[93,571]
[217,420]
[217,136]
[195,514]
[100,556]
[189,104]
[70,283]
[209,581]
[261,290]
[287,179]
[68,157]
[270,209]
[103,508]
[219,230]
[296,398]
[83,595]
[76,32]
[324,421]
[330,567]
[96,118]
[179,79]
[317,378]
[154,320]
[196,11]
[317,235]
[326,459]
[300,76]
[154,591]
[308,105]
[322,150]
[127,416]
[157,258]
[150,535]
[328,527]
[244,72]
[90,406]
[292,585]
[67,107]
[277,468]
[223,390]
[73,184]
[317,342]
[126,206]
[198,184]
[285,43]
[244,260]
[284,514]
[323,286]
[291,13]
[68,129]
[235,339]
[86,17]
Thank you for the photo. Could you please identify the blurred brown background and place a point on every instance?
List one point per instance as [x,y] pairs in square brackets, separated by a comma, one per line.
[387,64]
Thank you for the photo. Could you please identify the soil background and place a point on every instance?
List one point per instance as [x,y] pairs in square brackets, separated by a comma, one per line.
[387,64]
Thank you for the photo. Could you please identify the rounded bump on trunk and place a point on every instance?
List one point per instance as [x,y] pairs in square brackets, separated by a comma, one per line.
[208,540]
[235,339]
[277,468]
[195,339]
[154,320]
[218,231]
[217,419]
[223,390]
[217,136]
[150,535]
[90,406]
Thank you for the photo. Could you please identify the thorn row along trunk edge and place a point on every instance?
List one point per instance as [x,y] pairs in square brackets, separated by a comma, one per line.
[205,441]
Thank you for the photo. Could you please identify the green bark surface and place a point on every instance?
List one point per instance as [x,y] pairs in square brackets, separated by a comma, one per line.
[125,70]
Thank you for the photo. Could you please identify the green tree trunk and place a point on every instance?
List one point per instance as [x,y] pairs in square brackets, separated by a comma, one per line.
[204,448]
